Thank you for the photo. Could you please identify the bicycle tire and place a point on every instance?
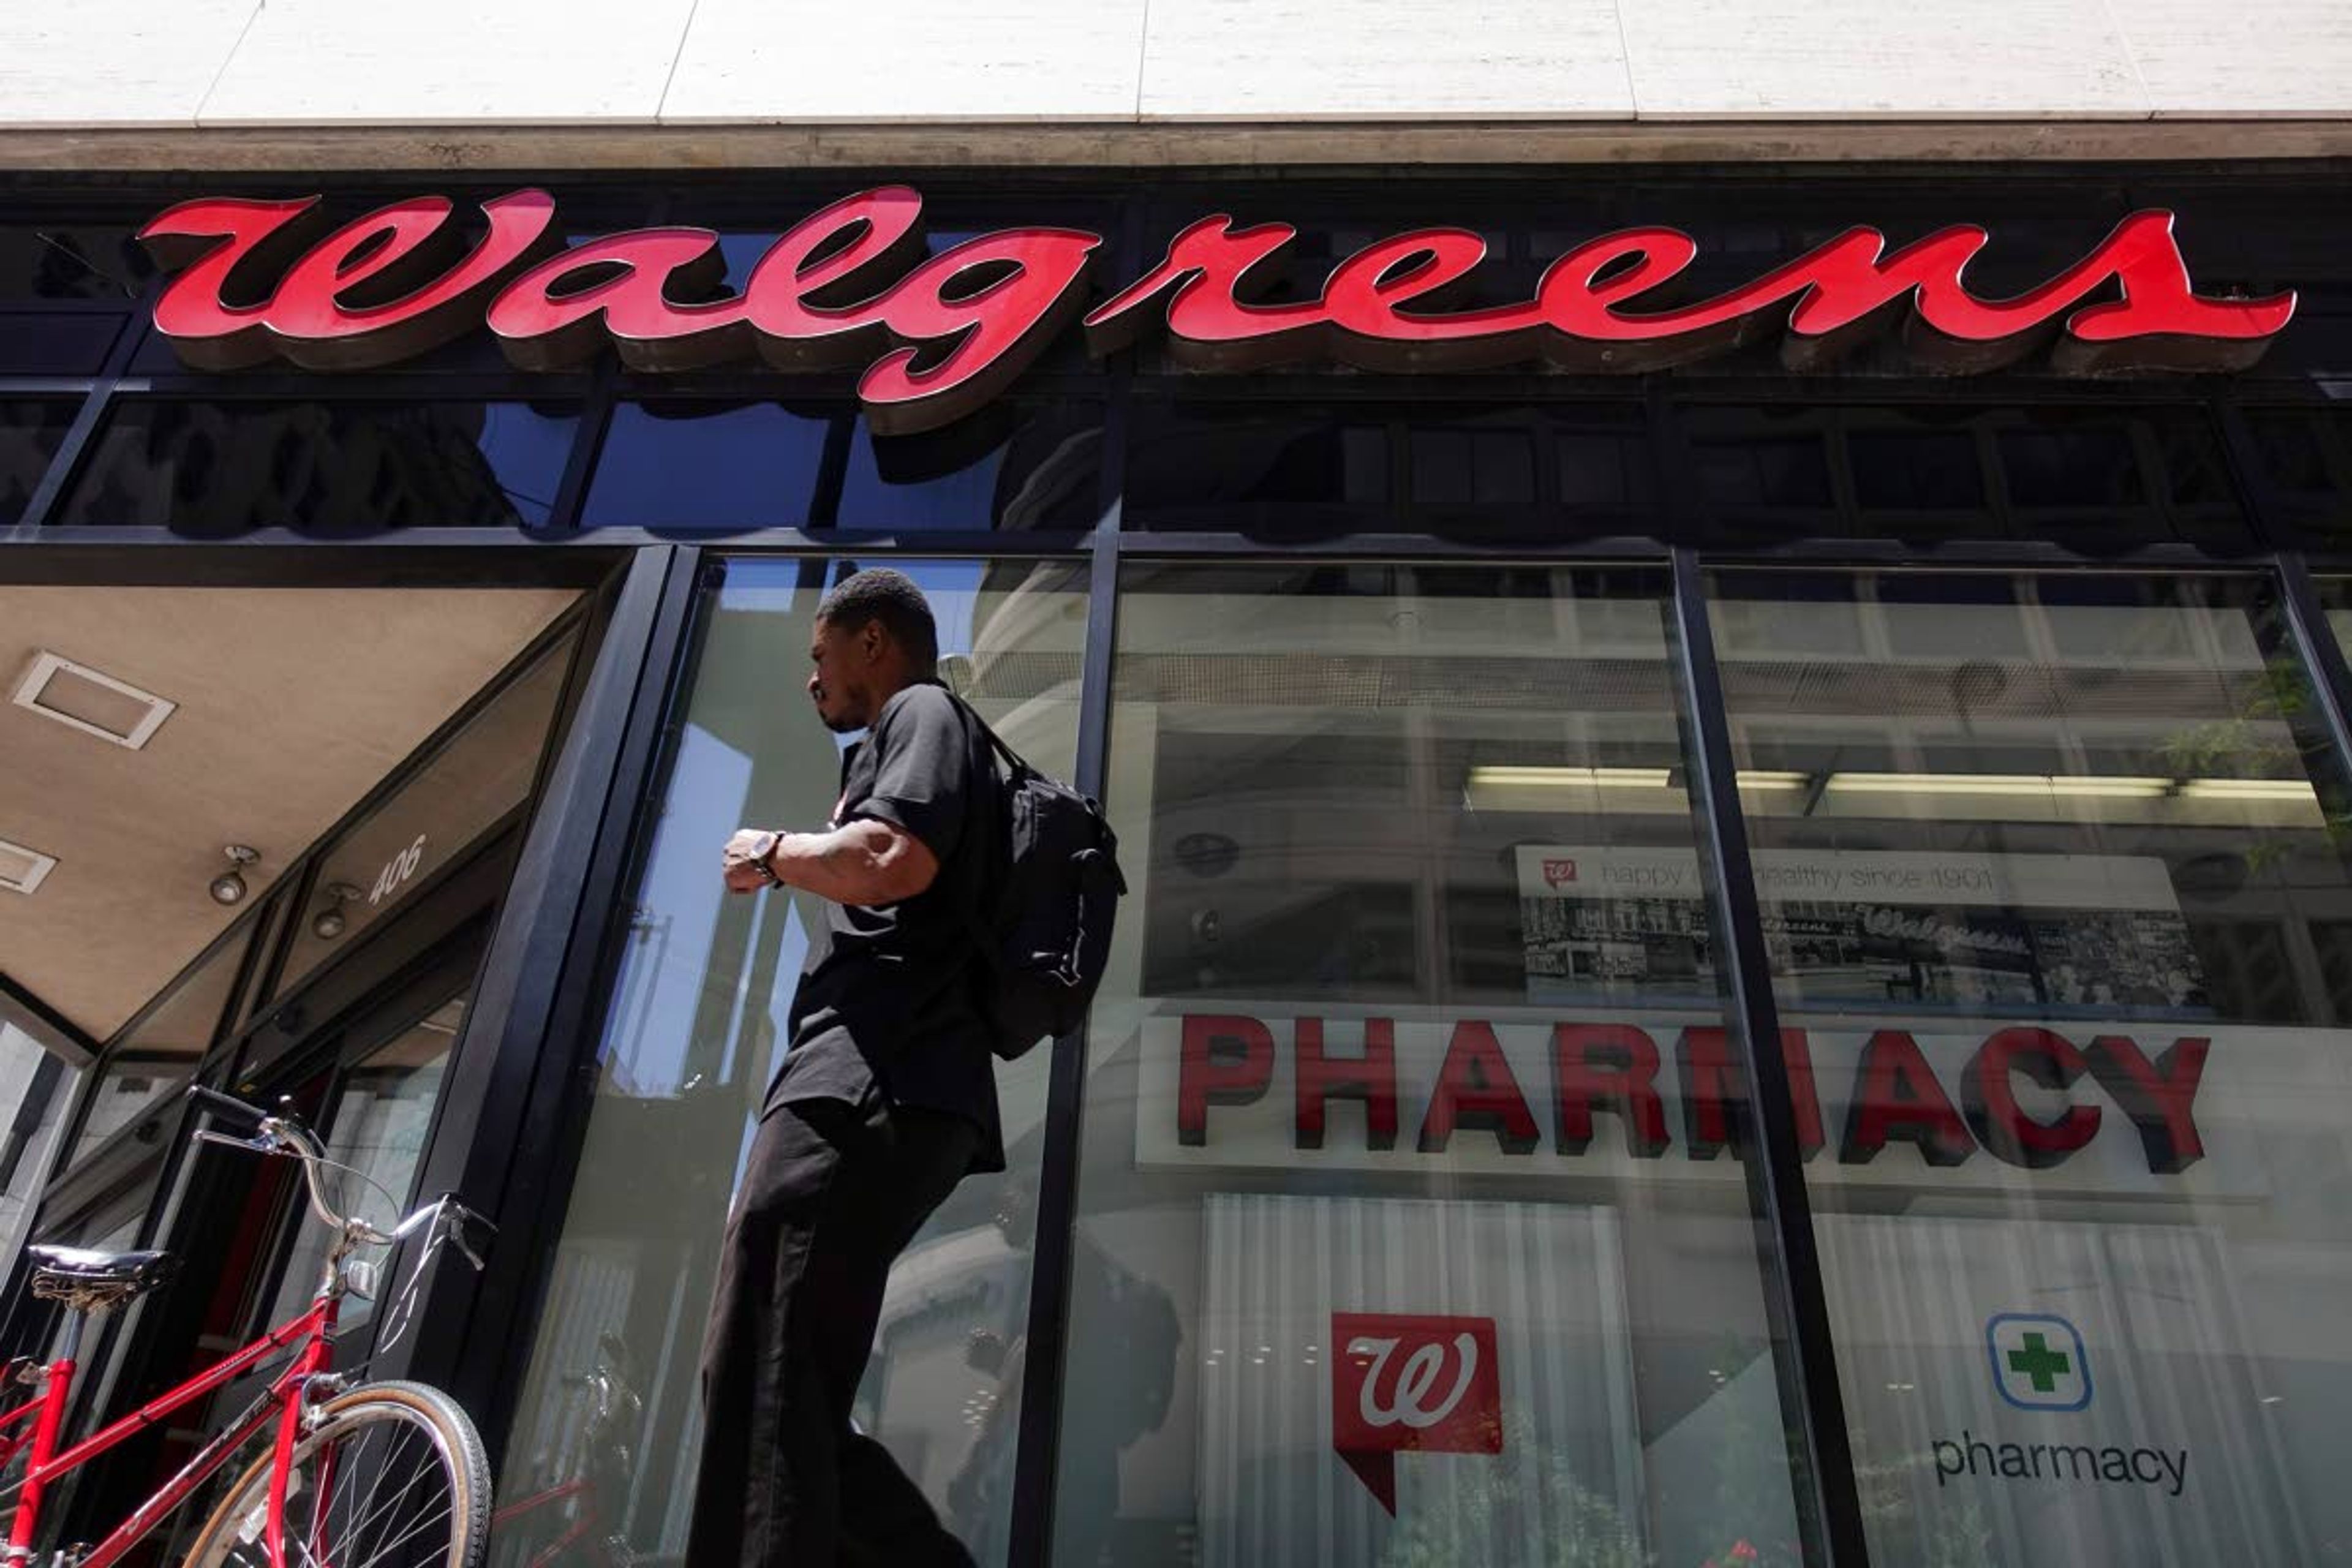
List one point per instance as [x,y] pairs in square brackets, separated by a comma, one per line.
[233,1536]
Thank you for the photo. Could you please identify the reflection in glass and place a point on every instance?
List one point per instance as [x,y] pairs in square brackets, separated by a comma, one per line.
[375,1128]
[1606,463]
[2102,480]
[681,463]
[1769,459]
[31,1146]
[2052,891]
[216,470]
[1224,467]
[477,777]
[70,261]
[30,433]
[2306,457]
[1408,1057]
[1905,469]
[160,1054]
[609,1422]
[1008,465]
[1467,462]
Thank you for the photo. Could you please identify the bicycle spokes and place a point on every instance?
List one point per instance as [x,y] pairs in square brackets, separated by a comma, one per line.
[374,1488]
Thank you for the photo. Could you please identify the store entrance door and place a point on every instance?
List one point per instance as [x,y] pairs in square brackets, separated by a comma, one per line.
[382,1087]
[375,1082]
[368,1081]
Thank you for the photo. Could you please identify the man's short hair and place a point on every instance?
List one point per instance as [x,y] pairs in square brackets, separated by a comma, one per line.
[880,593]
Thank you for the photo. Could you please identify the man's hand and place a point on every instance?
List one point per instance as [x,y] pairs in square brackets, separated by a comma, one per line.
[741,860]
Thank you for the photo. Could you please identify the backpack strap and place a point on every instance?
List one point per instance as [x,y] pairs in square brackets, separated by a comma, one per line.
[984,938]
[1013,758]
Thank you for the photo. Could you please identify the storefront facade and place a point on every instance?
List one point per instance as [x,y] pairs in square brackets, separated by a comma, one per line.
[1526,730]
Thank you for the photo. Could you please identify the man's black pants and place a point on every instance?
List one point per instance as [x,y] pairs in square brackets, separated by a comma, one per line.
[833,1193]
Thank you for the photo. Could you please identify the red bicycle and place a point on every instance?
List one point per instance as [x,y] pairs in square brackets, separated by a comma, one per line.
[357,1475]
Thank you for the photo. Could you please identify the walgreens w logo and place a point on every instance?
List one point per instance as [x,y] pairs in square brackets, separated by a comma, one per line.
[1412,1383]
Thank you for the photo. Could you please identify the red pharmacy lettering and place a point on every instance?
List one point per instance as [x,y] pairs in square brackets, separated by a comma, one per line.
[934,337]
[1896,1097]
[1990,1099]
[2159,1095]
[1715,1105]
[1611,1067]
[1226,1059]
[1412,1383]
[1371,1078]
[1477,1088]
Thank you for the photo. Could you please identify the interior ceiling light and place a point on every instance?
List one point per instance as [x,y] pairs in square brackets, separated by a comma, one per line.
[228,887]
[1507,777]
[1521,781]
[22,869]
[1570,778]
[91,701]
[2249,789]
[331,923]
[2088,785]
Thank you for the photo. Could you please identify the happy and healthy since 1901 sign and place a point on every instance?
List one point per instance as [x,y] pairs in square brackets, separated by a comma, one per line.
[934,337]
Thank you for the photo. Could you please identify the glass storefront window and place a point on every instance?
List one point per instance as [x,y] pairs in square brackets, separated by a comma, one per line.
[1290,471]
[71,261]
[1389,1249]
[1270,469]
[375,1129]
[479,775]
[770,465]
[2306,457]
[755,464]
[160,1052]
[39,1091]
[2099,479]
[1009,467]
[218,469]
[30,433]
[610,1399]
[2336,596]
[2053,887]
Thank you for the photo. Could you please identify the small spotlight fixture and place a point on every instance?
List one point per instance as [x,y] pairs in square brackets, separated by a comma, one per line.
[330,923]
[228,887]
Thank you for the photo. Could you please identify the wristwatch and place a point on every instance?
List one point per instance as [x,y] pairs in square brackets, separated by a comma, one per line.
[763,853]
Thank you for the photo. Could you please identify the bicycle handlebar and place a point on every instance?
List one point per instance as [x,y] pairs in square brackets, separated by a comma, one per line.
[286,1136]
[228,1107]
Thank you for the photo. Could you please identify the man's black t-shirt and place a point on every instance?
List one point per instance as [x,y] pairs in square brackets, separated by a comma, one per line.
[888,998]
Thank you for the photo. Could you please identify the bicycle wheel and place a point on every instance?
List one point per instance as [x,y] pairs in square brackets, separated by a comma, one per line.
[394,1477]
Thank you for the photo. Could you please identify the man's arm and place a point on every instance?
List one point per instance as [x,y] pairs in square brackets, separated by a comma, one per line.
[863,861]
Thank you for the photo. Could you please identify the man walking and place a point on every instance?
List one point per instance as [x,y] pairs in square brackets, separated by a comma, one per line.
[884,1099]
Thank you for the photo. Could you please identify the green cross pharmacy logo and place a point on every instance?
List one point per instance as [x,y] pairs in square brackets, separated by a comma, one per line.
[2037,1361]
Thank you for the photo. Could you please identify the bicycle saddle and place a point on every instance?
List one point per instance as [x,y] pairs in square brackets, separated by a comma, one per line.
[92,1279]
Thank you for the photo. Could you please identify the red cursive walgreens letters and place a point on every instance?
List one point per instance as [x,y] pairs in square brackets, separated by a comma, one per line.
[935,336]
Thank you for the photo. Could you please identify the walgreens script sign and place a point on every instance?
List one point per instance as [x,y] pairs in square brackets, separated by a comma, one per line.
[932,337]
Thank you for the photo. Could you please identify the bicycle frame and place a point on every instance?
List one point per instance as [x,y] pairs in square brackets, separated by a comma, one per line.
[313,1331]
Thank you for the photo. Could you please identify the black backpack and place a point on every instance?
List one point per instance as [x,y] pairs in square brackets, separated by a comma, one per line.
[1043,921]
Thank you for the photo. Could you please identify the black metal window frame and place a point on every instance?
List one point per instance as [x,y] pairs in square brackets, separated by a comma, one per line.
[523,1076]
